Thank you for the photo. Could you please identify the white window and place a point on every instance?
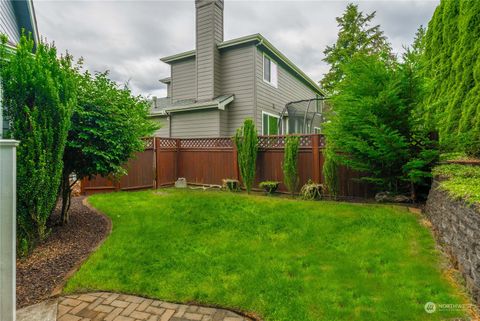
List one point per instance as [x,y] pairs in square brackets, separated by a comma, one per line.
[270,71]
[269,124]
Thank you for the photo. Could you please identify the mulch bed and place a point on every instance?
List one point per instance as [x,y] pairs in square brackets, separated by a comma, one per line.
[51,262]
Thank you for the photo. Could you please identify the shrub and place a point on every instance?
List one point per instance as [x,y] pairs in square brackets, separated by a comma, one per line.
[290,160]
[451,62]
[39,95]
[330,173]
[246,140]
[311,191]
[108,125]
[372,129]
[269,187]
[233,185]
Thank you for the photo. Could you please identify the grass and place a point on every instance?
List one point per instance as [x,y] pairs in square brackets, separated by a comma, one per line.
[280,258]
[460,181]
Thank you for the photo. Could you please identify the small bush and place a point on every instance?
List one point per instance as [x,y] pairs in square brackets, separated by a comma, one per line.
[311,191]
[269,187]
[246,140]
[290,160]
[330,172]
[232,185]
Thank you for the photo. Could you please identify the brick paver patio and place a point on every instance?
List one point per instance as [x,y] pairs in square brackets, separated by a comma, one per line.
[119,307]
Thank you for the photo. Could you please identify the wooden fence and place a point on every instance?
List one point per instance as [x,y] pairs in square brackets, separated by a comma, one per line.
[141,174]
[204,161]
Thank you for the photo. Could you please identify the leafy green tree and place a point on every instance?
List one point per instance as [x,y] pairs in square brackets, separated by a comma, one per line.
[246,140]
[108,124]
[452,64]
[372,129]
[356,35]
[290,163]
[39,94]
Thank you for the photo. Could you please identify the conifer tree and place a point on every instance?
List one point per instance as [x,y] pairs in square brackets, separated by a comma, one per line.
[452,65]
[356,35]
[246,140]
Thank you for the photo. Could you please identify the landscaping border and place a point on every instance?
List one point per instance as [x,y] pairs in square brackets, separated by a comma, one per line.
[42,274]
[456,226]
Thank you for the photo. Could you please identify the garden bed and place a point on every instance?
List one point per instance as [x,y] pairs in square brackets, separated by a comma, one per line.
[46,268]
[273,257]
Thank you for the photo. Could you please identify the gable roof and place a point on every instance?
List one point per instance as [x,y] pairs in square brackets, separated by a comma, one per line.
[261,41]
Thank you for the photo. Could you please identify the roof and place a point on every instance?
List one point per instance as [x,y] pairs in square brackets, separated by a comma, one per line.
[166,80]
[259,40]
[164,106]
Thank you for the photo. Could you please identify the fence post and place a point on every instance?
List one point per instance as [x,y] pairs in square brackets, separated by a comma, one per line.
[177,156]
[8,188]
[235,162]
[316,157]
[155,159]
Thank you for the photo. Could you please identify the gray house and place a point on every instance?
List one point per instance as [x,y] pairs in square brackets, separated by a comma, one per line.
[214,88]
[15,16]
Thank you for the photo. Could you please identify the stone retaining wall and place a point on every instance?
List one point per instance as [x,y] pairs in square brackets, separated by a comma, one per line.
[457,228]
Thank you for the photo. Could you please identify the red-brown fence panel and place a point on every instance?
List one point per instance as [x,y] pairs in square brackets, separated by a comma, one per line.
[140,169]
[166,160]
[206,161]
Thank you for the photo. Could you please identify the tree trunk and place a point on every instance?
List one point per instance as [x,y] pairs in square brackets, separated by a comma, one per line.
[66,196]
[413,193]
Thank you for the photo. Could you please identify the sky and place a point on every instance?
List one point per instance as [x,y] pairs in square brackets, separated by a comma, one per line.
[129,37]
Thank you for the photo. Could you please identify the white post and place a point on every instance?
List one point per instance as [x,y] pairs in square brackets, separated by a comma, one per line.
[8,186]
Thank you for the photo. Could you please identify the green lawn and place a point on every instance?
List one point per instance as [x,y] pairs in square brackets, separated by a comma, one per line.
[280,258]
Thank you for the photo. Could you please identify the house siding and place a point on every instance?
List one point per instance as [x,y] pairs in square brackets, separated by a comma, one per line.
[237,77]
[209,32]
[183,80]
[273,100]
[201,123]
[8,21]
[164,130]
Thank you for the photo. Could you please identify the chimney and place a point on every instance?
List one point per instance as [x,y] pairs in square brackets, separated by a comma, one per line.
[208,33]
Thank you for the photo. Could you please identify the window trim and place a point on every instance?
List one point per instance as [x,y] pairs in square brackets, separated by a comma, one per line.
[272,115]
[263,70]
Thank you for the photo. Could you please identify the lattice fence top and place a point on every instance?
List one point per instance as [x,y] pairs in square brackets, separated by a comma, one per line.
[149,142]
[279,141]
[166,143]
[264,142]
[218,142]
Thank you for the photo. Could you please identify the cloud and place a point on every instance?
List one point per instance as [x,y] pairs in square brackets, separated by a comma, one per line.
[129,37]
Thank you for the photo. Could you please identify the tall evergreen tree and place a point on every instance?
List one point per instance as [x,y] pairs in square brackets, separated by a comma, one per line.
[356,35]
[39,94]
[372,130]
[452,64]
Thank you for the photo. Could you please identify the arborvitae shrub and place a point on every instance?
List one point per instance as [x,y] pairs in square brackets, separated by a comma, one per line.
[246,140]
